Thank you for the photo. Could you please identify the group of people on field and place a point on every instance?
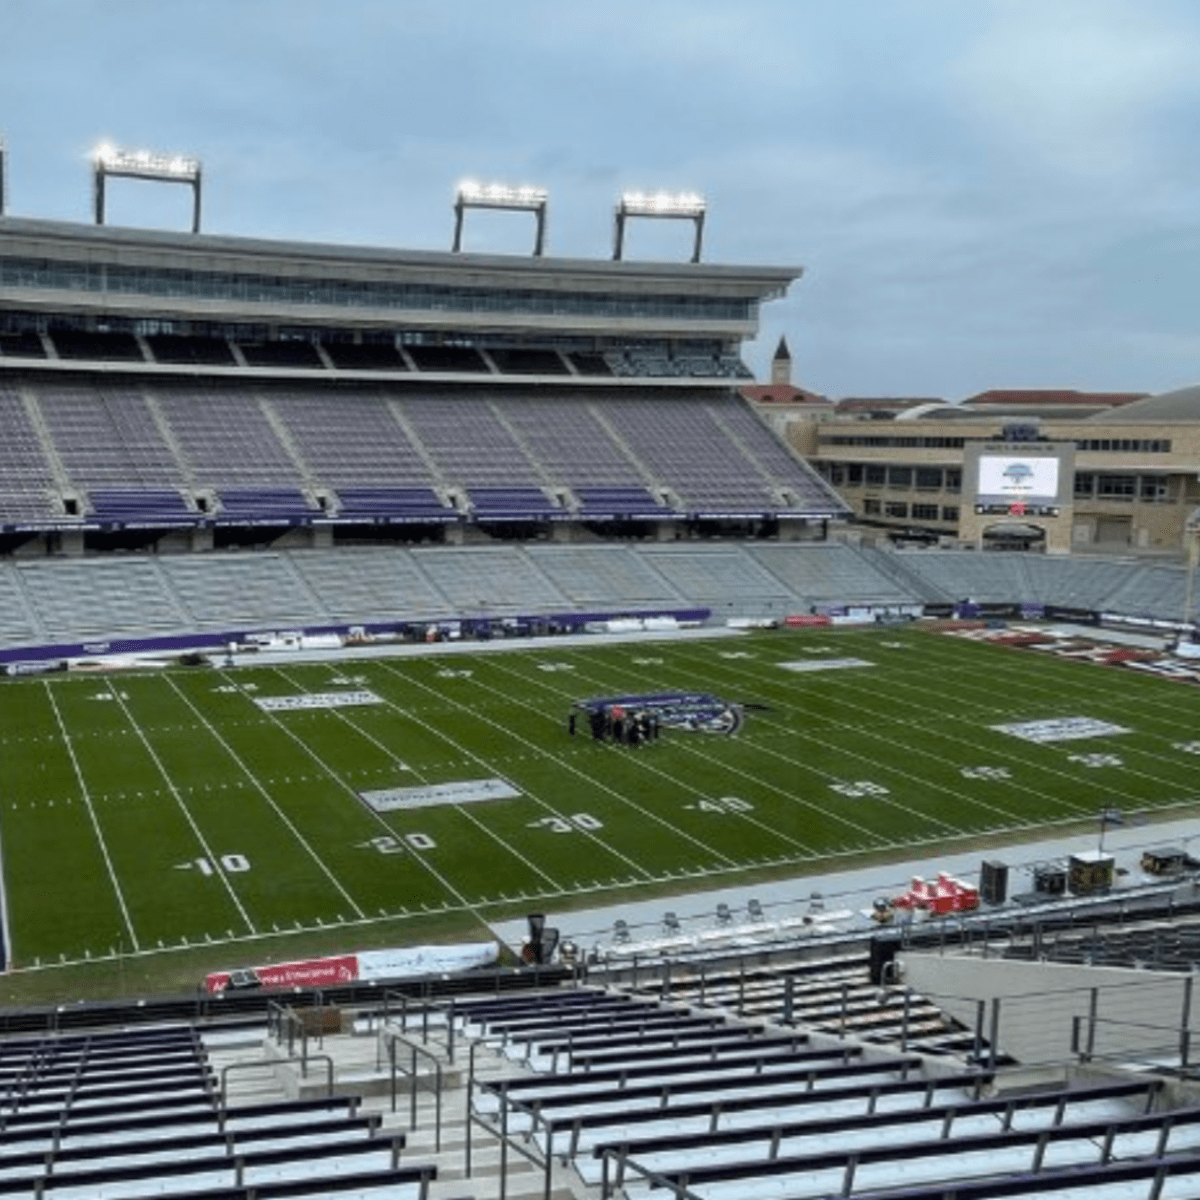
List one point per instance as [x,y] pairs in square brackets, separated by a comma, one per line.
[619,725]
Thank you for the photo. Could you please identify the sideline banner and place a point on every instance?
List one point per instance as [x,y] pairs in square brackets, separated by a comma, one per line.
[352,968]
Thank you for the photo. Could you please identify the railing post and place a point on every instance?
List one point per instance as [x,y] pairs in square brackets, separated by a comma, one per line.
[504,1140]
[392,1065]
[1093,1008]
[412,1088]
[1185,1021]
[994,1033]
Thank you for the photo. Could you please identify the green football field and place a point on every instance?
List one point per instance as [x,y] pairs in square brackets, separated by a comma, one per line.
[152,811]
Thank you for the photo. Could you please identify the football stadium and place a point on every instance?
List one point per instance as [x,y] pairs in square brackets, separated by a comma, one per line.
[454,745]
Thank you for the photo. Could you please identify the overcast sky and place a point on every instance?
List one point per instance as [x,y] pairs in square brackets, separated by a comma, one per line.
[982,193]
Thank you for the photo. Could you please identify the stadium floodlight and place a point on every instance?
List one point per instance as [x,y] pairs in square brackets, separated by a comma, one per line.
[522,198]
[145,164]
[681,206]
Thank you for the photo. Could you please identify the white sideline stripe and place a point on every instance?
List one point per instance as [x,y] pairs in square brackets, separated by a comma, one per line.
[266,796]
[183,807]
[87,799]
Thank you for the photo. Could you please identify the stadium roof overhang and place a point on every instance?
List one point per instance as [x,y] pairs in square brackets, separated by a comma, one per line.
[141,247]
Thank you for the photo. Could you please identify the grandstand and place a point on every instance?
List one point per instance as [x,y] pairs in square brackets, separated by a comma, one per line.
[211,438]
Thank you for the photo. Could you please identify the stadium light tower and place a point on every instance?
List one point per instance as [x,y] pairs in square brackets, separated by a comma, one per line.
[499,195]
[3,177]
[145,164]
[677,206]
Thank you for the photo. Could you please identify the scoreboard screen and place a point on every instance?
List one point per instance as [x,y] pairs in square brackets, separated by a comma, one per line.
[1016,477]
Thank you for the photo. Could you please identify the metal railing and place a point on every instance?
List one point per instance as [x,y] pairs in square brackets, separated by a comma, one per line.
[391,1038]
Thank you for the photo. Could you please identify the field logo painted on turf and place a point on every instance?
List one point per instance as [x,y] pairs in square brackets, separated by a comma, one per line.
[307,700]
[431,795]
[826,664]
[1061,729]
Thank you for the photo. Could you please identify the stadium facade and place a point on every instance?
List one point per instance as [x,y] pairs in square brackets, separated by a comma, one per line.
[1128,467]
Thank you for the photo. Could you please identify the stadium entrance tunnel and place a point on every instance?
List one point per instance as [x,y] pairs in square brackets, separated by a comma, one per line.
[1014,535]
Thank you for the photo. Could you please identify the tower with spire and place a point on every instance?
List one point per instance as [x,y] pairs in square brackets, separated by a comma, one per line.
[781,364]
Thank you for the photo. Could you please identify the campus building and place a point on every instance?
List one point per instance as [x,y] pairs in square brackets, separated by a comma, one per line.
[1127,465]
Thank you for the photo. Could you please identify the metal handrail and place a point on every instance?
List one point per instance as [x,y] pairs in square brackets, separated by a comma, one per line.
[245,1066]
[391,1037]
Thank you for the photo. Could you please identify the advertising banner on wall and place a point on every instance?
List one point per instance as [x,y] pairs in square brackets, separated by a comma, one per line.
[363,966]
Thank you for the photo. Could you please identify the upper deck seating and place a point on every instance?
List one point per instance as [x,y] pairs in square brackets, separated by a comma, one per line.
[628,503]
[714,458]
[27,485]
[259,505]
[469,445]
[153,507]
[108,438]
[351,440]
[571,442]
[227,439]
[389,504]
[512,504]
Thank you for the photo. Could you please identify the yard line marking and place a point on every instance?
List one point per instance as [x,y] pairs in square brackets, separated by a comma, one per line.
[566,766]
[267,797]
[1037,669]
[461,808]
[212,858]
[905,749]
[644,763]
[1047,768]
[92,813]
[277,722]
[697,750]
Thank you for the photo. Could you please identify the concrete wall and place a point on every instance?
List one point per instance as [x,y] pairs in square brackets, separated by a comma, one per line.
[1139,1013]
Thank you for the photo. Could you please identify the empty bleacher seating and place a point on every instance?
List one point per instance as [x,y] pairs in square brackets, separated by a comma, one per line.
[109,1114]
[260,505]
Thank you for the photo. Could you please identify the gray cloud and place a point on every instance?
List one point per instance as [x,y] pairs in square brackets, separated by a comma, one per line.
[985,194]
